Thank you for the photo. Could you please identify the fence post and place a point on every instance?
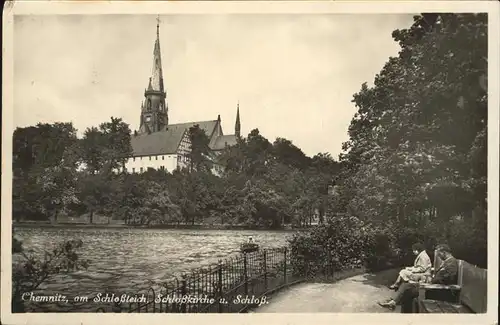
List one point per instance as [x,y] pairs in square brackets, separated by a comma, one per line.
[265,268]
[219,284]
[183,292]
[284,268]
[117,308]
[154,296]
[245,273]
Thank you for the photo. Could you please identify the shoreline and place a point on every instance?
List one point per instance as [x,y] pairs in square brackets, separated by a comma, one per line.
[123,226]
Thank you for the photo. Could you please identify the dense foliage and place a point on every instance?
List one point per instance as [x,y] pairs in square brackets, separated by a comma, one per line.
[260,184]
[415,163]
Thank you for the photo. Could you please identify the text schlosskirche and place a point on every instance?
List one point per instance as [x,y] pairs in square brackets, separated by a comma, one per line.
[204,299]
[176,299]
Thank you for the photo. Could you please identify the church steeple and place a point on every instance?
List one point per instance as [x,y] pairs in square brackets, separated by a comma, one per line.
[156,72]
[154,112]
[237,126]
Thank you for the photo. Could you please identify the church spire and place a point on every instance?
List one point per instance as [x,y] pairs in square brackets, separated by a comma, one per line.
[154,111]
[157,73]
[237,126]
[158,27]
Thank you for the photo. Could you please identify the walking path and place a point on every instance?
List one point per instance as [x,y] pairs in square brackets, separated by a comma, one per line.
[358,294]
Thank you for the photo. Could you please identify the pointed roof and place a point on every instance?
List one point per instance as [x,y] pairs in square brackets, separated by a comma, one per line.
[167,141]
[156,83]
[238,124]
[224,140]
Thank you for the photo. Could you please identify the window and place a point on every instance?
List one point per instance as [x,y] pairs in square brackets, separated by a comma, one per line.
[156,157]
[149,158]
[141,169]
[149,104]
[133,159]
[133,170]
[162,157]
[162,167]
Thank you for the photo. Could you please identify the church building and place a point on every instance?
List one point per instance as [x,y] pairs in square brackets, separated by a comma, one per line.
[160,145]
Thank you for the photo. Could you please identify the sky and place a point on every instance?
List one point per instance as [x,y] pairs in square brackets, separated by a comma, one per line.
[293,75]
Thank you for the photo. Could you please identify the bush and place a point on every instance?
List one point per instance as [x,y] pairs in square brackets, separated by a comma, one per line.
[380,252]
[29,273]
[346,242]
[338,245]
[468,240]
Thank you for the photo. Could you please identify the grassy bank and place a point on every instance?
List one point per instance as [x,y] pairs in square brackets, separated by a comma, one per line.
[164,226]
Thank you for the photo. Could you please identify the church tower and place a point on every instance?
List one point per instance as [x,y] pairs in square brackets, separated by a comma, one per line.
[237,125]
[154,108]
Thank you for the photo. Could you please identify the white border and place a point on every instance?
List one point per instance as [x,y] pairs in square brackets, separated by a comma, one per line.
[219,7]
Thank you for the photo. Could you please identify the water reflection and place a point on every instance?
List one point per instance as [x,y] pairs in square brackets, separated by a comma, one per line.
[129,260]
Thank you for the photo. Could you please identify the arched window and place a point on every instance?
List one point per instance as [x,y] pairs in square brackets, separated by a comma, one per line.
[161,107]
[149,104]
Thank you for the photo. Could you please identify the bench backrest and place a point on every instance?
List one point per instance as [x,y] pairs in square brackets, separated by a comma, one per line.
[438,262]
[474,292]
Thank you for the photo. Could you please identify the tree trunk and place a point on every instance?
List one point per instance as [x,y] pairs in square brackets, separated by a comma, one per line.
[91,216]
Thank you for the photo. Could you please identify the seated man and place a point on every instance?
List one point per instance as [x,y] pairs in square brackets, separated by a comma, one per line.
[445,274]
[421,267]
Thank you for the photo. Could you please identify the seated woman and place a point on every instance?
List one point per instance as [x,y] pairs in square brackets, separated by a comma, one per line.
[420,268]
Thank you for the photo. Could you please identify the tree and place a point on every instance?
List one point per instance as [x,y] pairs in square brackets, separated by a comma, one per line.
[42,145]
[257,152]
[287,153]
[119,148]
[44,162]
[93,144]
[199,155]
[416,151]
[106,148]
[97,192]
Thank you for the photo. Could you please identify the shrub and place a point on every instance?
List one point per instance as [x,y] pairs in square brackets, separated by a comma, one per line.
[467,239]
[29,273]
[338,245]
[346,242]
[380,251]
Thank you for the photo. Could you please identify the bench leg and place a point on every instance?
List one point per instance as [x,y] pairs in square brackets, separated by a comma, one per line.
[415,307]
[407,306]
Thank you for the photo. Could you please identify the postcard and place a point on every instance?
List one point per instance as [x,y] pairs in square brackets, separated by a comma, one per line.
[250,162]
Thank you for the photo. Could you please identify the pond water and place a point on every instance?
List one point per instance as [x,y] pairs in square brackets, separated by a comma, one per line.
[131,260]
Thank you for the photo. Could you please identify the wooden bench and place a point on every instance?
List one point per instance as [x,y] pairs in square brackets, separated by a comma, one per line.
[469,295]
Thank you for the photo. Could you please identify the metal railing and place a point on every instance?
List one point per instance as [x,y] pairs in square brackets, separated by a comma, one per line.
[229,286]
